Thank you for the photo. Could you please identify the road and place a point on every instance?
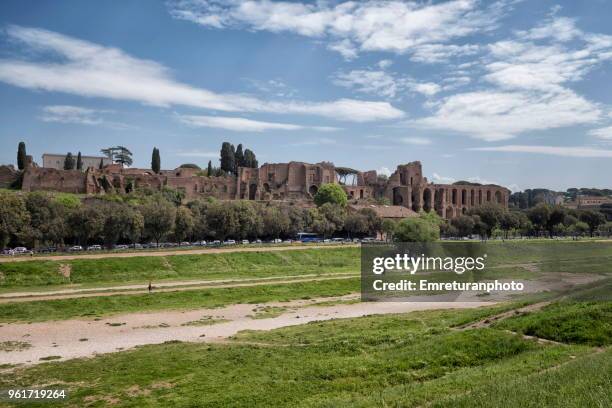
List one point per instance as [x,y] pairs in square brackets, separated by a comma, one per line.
[202,251]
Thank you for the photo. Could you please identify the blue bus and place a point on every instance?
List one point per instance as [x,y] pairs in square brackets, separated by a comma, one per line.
[308,237]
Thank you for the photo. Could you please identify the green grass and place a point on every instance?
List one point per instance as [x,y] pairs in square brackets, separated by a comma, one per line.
[567,322]
[397,360]
[91,272]
[180,300]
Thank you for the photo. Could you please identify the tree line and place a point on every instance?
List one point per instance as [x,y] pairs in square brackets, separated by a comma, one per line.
[40,219]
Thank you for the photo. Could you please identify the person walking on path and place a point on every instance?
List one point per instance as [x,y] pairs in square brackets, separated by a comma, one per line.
[150,287]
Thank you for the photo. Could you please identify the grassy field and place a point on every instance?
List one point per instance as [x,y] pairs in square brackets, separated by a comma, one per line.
[106,271]
[399,360]
[98,306]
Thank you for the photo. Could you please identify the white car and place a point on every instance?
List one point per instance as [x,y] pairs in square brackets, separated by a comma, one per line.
[75,248]
[94,248]
[277,241]
[245,242]
[229,242]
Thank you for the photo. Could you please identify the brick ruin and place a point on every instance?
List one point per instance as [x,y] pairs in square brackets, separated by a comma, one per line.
[294,181]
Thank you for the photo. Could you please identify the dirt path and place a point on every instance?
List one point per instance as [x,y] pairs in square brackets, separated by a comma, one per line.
[167,287]
[84,338]
[237,248]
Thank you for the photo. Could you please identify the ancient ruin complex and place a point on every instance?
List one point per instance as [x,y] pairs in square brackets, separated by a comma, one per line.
[294,181]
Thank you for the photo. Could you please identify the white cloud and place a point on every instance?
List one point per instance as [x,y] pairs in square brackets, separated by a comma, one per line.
[383,83]
[384,64]
[79,115]
[350,27]
[498,115]
[435,53]
[437,178]
[556,28]
[416,140]
[384,171]
[87,69]
[242,124]
[567,151]
[602,133]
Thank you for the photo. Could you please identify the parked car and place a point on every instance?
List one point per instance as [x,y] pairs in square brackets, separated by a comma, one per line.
[245,242]
[75,248]
[258,241]
[8,252]
[216,242]
[94,248]
[46,250]
[185,243]
[229,242]
[277,241]
[121,247]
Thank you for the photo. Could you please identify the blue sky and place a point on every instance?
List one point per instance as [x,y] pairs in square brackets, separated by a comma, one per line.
[512,92]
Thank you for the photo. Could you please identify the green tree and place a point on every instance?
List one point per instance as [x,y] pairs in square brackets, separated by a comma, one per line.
[47,218]
[490,215]
[388,228]
[69,162]
[539,216]
[239,158]
[416,229]
[159,216]
[250,160]
[356,224]
[184,224]
[155,160]
[464,225]
[21,156]
[330,193]
[209,169]
[86,222]
[275,223]
[593,219]
[79,162]
[14,217]
[509,221]
[119,154]
[227,157]
[335,216]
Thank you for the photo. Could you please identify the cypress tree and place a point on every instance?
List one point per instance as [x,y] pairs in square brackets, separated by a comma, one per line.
[69,162]
[101,164]
[227,157]
[79,162]
[21,156]
[155,160]
[239,157]
[209,170]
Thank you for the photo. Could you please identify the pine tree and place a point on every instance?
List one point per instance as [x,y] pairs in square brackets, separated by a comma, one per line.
[227,157]
[79,162]
[155,160]
[101,166]
[209,170]
[21,156]
[69,162]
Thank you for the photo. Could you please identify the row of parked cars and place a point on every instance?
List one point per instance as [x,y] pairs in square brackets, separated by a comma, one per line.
[96,247]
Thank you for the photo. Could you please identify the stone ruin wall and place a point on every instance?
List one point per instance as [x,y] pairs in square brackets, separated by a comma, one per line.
[294,181]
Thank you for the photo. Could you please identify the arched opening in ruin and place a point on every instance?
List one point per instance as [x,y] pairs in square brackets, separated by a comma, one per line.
[479,197]
[463,210]
[252,191]
[463,197]
[313,190]
[266,187]
[472,198]
[416,200]
[450,212]
[361,193]
[488,196]
[427,200]
[397,197]
[498,197]
[454,200]
[438,204]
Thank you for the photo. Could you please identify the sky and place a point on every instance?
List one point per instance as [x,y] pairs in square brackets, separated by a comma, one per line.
[517,93]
